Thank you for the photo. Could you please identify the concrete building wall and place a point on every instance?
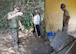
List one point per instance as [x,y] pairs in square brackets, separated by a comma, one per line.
[54,15]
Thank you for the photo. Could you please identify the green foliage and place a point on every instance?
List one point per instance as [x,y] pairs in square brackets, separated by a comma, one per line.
[1,24]
[27,21]
[26,6]
[5,7]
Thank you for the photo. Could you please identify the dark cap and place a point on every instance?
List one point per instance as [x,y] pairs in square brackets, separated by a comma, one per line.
[35,11]
[62,6]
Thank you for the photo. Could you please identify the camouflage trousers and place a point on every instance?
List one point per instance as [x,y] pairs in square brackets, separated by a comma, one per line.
[14,34]
[65,28]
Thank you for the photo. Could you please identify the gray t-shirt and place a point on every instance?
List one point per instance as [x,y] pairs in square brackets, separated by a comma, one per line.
[65,14]
[13,23]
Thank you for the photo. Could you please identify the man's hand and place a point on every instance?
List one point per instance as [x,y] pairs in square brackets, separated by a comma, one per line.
[66,23]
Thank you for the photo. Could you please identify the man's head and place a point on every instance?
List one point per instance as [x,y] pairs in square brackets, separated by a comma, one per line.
[36,12]
[16,8]
[63,7]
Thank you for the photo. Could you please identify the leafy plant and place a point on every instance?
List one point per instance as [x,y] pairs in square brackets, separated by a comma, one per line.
[27,21]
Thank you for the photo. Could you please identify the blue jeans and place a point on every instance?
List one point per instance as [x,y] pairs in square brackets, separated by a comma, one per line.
[15,38]
[38,30]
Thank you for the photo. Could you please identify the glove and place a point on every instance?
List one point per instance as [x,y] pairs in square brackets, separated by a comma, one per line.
[21,27]
[19,14]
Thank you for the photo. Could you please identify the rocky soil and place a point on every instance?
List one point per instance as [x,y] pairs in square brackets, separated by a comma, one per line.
[28,44]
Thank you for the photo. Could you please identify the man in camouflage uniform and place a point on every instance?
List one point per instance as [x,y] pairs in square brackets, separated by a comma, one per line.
[13,24]
[66,18]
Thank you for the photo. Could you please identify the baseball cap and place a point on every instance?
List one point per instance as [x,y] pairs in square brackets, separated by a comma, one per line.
[62,6]
[35,11]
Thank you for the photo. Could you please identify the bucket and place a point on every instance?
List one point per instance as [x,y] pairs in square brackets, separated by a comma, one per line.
[50,36]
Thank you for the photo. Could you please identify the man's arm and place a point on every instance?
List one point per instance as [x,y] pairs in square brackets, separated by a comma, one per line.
[67,20]
[67,17]
[11,16]
[20,24]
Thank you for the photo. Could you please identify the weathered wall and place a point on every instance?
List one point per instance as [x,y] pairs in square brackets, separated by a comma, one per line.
[54,14]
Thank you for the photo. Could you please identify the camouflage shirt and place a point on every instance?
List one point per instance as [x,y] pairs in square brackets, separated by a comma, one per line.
[65,14]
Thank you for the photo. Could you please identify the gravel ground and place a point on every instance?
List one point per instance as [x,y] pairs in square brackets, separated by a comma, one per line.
[28,44]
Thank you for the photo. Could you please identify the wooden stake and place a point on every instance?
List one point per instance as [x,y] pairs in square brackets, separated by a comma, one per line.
[36,30]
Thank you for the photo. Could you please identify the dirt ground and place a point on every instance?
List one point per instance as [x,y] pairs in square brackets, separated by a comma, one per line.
[29,44]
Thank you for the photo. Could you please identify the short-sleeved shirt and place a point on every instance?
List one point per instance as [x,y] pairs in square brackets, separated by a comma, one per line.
[13,23]
[65,14]
[37,19]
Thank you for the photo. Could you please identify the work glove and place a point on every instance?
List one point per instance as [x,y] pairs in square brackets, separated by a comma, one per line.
[19,14]
[21,27]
